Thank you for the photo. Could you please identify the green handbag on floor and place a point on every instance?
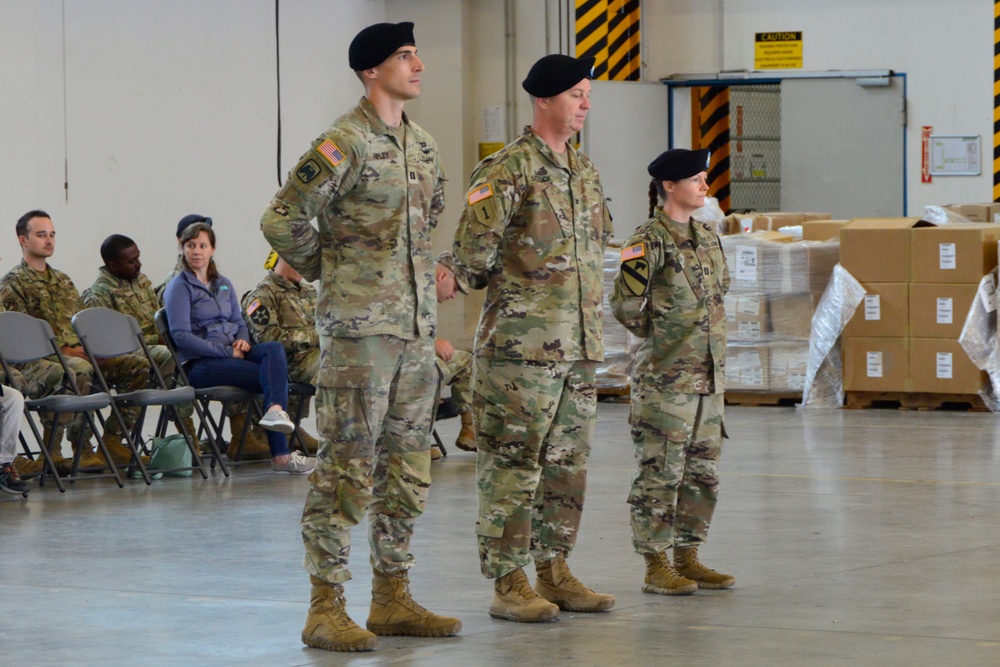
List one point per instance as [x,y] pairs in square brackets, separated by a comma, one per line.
[170,452]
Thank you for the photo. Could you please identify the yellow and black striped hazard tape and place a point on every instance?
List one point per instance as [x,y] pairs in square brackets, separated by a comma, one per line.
[608,31]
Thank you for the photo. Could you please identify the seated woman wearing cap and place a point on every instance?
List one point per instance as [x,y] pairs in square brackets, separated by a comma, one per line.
[212,343]
[669,291]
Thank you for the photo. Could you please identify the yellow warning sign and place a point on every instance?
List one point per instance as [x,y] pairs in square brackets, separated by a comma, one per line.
[777,50]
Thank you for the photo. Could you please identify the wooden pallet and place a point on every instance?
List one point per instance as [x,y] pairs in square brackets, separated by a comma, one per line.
[614,394]
[913,401]
[758,398]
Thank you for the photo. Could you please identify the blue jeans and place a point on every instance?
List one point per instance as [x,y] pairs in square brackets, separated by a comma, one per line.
[264,370]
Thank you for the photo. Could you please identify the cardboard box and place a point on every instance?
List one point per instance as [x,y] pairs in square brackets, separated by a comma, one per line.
[804,267]
[961,253]
[788,366]
[773,220]
[877,364]
[938,310]
[941,366]
[877,250]
[746,317]
[748,367]
[791,315]
[884,312]
[822,230]
[989,212]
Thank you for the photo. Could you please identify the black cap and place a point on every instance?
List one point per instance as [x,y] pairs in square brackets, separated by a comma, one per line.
[374,44]
[678,163]
[556,73]
[189,220]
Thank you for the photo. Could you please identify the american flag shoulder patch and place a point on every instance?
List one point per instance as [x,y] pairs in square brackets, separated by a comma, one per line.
[329,150]
[634,252]
[254,305]
[482,193]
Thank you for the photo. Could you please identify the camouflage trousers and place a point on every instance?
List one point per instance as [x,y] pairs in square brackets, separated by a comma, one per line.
[678,439]
[374,401]
[534,423]
[302,367]
[128,372]
[457,374]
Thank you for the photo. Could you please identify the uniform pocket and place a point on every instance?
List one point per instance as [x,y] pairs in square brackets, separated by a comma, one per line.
[343,396]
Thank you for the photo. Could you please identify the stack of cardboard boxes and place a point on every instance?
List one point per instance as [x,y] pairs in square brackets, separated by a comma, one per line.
[920,281]
[775,284]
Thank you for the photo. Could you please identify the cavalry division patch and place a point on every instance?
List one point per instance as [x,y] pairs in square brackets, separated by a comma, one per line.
[635,275]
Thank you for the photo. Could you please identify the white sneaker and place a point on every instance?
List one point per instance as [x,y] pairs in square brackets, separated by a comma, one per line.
[296,464]
[277,420]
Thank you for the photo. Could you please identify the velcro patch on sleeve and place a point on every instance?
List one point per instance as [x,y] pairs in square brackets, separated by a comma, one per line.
[254,305]
[482,204]
[479,195]
[331,152]
[634,252]
[635,276]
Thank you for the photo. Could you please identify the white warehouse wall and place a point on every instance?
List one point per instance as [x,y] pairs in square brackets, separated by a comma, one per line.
[944,48]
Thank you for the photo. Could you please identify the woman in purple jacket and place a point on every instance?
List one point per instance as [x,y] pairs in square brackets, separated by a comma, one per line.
[213,343]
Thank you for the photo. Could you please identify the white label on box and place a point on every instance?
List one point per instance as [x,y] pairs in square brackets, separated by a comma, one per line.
[746,263]
[873,307]
[748,330]
[874,364]
[944,311]
[944,366]
[947,257]
[988,293]
[749,306]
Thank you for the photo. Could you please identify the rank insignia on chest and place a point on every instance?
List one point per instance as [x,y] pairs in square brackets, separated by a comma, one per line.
[635,275]
[329,150]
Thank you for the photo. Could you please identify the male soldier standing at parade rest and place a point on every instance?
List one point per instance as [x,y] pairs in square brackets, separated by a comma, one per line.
[533,234]
[121,286]
[374,183]
[35,288]
[282,308]
[669,291]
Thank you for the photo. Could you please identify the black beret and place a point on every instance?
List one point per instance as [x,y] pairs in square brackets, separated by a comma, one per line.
[189,220]
[374,44]
[678,163]
[556,73]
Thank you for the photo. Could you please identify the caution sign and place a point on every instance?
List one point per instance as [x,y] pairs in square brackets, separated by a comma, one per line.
[777,50]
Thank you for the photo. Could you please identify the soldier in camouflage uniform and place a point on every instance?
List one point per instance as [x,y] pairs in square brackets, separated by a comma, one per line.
[669,290]
[35,288]
[533,234]
[282,308]
[374,183]
[121,286]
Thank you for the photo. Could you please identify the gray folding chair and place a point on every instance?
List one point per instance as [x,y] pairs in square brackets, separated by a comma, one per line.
[105,334]
[224,395]
[24,339]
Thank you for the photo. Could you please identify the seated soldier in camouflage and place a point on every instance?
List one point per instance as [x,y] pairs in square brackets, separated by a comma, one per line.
[35,288]
[455,366]
[282,308]
[121,286]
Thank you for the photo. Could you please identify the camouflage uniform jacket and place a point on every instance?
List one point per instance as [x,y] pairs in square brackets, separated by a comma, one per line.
[533,233]
[49,296]
[282,311]
[162,287]
[375,202]
[132,297]
[678,307]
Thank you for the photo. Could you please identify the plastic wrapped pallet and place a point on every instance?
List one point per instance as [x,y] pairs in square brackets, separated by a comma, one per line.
[759,264]
[979,338]
[823,385]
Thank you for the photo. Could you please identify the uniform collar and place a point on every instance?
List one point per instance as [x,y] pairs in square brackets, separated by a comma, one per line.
[378,125]
[283,282]
[536,140]
[46,276]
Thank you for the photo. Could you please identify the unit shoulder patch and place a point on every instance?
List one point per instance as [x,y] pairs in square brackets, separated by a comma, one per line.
[635,275]
[482,204]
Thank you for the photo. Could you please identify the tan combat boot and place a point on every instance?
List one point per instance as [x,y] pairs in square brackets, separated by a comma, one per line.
[394,612]
[436,453]
[663,579]
[255,449]
[25,466]
[328,626]
[467,436]
[120,453]
[514,600]
[89,460]
[557,584]
[687,565]
[308,441]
